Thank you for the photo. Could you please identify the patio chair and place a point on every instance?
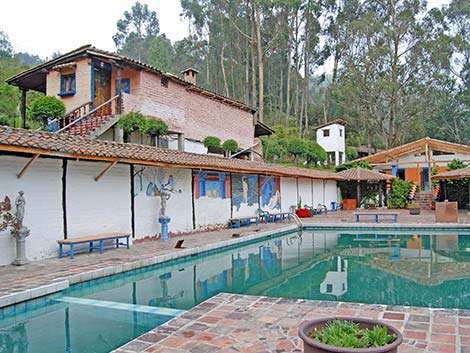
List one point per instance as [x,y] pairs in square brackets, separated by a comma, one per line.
[264,215]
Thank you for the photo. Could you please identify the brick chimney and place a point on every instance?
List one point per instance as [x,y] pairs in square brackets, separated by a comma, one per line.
[190,75]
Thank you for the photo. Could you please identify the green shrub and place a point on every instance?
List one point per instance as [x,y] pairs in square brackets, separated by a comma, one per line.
[211,142]
[45,107]
[296,146]
[314,152]
[130,122]
[345,333]
[4,120]
[230,145]
[398,196]
[156,127]
[351,153]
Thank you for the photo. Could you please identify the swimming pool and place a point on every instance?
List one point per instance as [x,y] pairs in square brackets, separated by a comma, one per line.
[386,267]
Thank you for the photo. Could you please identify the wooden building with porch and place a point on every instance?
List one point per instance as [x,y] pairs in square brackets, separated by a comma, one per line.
[416,161]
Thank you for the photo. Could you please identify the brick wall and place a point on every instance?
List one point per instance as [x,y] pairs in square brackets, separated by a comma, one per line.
[82,84]
[190,113]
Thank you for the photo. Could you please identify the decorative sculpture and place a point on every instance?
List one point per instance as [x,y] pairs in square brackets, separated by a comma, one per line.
[20,232]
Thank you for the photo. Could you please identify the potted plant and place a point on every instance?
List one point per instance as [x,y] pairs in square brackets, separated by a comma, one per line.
[414,208]
[212,143]
[349,335]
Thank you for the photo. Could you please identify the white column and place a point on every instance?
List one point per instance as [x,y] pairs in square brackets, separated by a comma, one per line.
[337,161]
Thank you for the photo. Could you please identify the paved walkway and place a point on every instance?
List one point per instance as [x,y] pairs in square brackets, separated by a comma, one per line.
[232,323]
[404,217]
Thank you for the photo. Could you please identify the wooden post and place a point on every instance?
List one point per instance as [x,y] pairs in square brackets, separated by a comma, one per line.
[23,107]
[358,194]
[428,160]
[118,84]
[381,203]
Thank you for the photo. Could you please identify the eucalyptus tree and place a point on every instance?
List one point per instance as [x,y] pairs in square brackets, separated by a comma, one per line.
[136,30]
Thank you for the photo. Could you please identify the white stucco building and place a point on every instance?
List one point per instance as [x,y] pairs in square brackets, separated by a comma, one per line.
[331,137]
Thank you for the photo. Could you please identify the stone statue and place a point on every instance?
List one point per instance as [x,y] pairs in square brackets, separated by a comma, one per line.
[20,204]
[165,196]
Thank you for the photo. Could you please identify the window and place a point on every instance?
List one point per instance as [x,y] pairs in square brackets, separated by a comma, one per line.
[67,84]
[326,133]
[340,132]
[125,86]
[164,82]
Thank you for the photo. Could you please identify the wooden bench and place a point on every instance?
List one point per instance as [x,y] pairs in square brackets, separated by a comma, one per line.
[92,243]
[237,222]
[280,216]
[376,215]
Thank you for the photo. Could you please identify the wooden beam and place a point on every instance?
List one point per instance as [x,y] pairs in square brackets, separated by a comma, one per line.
[27,165]
[105,170]
[23,107]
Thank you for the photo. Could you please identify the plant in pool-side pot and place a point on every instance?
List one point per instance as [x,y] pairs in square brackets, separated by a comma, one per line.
[415,209]
[349,335]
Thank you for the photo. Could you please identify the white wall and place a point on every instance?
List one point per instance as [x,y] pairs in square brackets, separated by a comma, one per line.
[305,191]
[331,192]
[43,211]
[335,142]
[147,207]
[97,207]
[288,193]
[317,186]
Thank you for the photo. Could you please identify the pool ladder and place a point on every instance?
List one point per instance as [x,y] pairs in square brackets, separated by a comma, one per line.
[297,221]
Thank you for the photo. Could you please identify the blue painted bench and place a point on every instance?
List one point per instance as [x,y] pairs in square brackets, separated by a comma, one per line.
[239,221]
[96,242]
[376,215]
[280,216]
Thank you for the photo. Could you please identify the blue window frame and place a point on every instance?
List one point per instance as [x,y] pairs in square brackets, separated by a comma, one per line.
[125,86]
[67,85]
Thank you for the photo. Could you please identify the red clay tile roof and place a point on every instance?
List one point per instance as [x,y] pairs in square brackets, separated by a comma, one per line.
[92,51]
[463,173]
[361,174]
[63,145]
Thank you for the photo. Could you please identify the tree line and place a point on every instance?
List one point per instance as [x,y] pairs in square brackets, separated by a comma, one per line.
[397,71]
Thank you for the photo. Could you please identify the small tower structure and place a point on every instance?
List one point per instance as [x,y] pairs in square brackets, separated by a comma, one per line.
[331,136]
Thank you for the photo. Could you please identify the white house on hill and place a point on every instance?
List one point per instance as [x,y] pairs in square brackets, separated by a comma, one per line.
[331,136]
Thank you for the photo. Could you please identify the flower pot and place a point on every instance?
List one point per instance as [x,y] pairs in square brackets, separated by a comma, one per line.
[415,211]
[311,346]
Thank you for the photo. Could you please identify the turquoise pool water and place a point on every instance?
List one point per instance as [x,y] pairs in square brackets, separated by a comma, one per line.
[419,269]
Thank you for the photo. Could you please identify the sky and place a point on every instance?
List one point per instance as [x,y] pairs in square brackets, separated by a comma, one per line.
[43,27]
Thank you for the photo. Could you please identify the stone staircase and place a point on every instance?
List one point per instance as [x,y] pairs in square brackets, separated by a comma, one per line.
[92,126]
[424,199]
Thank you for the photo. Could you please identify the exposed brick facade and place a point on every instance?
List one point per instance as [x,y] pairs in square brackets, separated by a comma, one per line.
[190,113]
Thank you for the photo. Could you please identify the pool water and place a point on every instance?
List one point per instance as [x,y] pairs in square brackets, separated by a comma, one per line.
[430,270]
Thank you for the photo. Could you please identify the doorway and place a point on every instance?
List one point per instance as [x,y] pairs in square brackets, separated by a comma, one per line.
[101,90]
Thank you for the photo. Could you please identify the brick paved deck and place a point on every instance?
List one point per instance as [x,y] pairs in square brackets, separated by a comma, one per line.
[232,323]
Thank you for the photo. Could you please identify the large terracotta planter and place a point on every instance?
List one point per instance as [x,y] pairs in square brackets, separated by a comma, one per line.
[349,204]
[311,346]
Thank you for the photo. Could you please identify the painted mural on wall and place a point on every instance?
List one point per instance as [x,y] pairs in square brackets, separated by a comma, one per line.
[270,198]
[154,182]
[245,195]
[212,198]
[211,185]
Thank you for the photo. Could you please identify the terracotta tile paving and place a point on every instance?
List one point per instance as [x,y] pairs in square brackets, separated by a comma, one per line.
[251,324]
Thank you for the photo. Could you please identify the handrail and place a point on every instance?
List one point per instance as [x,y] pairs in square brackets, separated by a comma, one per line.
[297,220]
[77,108]
[91,112]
